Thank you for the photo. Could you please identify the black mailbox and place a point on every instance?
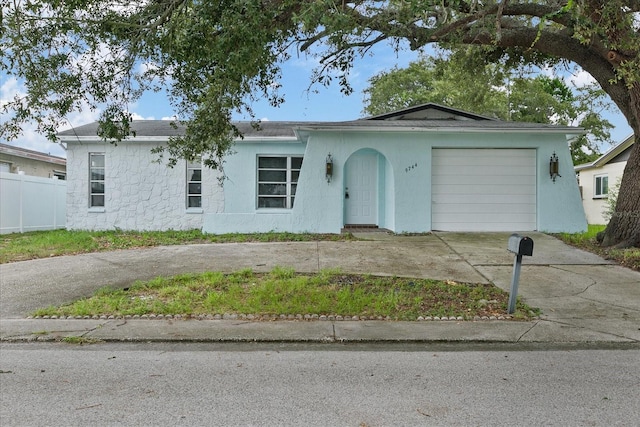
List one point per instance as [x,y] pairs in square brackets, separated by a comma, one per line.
[520,245]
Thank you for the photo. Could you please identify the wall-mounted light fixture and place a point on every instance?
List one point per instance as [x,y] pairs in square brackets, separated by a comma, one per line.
[553,167]
[329,168]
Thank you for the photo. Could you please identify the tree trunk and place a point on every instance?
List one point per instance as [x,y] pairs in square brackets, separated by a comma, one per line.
[623,229]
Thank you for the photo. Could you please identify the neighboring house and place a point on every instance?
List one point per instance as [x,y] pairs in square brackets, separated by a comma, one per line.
[423,168]
[597,178]
[30,199]
[33,163]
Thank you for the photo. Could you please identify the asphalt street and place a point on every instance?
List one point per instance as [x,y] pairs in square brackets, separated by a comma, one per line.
[577,365]
[203,384]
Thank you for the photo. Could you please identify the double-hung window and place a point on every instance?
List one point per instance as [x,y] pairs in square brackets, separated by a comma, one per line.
[601,186]
[194,184]
[96,180]
[278,180]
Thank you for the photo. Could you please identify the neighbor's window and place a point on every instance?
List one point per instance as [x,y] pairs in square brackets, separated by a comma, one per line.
[601,187]
[277,181]
[194,184]
[96,180]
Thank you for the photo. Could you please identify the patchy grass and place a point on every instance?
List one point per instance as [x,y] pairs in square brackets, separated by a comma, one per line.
[44,244]
[629,257]
[79,340]
[282,291]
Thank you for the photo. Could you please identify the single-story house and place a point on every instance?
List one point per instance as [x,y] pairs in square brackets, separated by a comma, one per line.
[419,169]
[597,178]
[33,163]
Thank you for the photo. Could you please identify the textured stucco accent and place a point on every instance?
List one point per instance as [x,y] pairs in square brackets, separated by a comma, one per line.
[140,194]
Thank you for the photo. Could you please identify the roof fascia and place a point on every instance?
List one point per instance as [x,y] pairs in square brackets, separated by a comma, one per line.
[563,131]
[96,139]
[24,153]
[608,156]
[285,139]
[613,152]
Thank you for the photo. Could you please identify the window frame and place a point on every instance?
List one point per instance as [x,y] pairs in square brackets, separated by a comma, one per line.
[290,184]
[92,181]
[598,187]
[192,166]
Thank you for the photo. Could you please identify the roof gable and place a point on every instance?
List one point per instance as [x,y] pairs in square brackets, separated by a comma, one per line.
[617,153]
[429,111]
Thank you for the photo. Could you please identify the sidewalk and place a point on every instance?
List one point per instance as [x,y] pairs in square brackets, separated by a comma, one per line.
[584,299]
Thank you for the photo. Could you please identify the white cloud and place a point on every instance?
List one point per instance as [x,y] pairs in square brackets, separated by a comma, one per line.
[8,90]
[30,138]
[147,66]
[581,78]
[136,116]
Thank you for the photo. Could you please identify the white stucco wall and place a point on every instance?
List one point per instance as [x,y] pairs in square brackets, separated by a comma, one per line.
[139,193]
[594,206]
[405,178]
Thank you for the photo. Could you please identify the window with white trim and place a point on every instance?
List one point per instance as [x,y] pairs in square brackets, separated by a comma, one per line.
[96,180]
[601,186]
[194,184]
[278,180]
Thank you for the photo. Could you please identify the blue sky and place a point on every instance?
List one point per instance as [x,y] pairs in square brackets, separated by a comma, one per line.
[301,103]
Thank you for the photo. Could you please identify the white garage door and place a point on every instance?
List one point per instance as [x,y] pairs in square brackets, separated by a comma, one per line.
[483,190]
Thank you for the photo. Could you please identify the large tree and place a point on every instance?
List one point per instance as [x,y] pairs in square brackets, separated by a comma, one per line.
[495,89]
[215,57]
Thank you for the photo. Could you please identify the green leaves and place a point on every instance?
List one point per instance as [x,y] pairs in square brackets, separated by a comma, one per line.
[217,58]
[466,79]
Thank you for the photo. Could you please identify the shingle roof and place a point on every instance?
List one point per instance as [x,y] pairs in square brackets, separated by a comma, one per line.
[270,129]
[141,127]
[613,152]
[12,150]
[166,128]
[423,117]
[440,124]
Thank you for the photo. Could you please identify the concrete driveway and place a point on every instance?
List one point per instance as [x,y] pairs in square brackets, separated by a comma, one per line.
[583,297]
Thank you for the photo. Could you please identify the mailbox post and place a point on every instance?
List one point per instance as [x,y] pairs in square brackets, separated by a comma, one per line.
[520,246]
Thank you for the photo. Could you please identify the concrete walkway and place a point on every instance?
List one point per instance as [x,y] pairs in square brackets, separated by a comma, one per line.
[584,298]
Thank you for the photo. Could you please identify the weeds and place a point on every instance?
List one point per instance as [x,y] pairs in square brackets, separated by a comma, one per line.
[79,340]
[44,244]
[629,257]
[282,291]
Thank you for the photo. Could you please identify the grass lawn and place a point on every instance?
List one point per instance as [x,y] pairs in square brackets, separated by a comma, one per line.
[44,244]
[629,257]
[282,292]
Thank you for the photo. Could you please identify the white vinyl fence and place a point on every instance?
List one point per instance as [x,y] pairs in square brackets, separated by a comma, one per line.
[30,203]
